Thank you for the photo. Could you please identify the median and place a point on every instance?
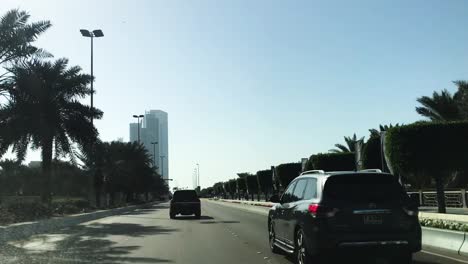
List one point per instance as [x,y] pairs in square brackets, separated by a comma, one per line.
[25,229]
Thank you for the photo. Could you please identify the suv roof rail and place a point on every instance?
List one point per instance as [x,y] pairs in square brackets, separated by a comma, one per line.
[371,170]
[313,171]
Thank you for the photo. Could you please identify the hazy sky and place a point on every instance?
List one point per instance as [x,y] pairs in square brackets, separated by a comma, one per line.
[250,84]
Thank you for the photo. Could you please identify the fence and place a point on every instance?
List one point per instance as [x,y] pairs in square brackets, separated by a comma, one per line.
[455,199]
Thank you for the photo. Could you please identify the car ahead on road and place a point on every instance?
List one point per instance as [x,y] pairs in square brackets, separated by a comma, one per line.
[185,202]
[322,214]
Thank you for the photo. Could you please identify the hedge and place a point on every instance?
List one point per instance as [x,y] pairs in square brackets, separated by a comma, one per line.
[431,149]
[287,172]
[372,153]
[252,183]
[241,186]
[345,161]
[265,181]
[232,186]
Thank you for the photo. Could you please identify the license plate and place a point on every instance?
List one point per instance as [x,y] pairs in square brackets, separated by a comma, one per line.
[373,219]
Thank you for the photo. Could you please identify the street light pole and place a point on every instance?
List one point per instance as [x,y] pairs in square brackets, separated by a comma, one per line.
[138,118]
[92,34]
[154,153]
[198,174]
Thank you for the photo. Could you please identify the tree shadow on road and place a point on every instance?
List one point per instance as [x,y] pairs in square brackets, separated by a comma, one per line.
[90,243]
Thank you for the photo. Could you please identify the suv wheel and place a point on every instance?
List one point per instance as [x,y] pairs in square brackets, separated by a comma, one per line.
[302,256]
[172,215]
[198,215]
[271,238]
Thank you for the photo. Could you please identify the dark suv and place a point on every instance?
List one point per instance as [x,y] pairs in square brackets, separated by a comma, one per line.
[185,202]
[321,213]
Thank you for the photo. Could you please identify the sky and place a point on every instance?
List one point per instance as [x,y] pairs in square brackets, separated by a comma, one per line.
[253,84]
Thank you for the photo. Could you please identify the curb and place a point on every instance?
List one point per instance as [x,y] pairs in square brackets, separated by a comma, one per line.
[449,240]
[27,229]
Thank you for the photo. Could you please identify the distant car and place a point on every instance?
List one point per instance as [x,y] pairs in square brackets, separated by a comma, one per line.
[185,202]
[322,213]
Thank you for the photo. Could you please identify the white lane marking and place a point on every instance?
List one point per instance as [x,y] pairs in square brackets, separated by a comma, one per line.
[444,256]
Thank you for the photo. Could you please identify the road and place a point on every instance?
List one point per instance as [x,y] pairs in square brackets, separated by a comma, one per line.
[226,234]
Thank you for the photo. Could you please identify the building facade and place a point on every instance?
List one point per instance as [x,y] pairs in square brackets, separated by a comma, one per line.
[154,129]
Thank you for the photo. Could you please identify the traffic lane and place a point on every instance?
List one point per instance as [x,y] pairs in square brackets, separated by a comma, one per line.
[254,230]
[143,236]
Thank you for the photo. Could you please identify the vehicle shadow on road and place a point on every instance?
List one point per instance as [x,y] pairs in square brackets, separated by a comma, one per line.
[184,217]
[91,243]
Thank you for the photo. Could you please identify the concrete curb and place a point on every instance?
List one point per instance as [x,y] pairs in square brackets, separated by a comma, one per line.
[263,204]
[450,240]
[26,229]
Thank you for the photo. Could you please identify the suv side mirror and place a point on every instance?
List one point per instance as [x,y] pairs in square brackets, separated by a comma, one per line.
[275,198]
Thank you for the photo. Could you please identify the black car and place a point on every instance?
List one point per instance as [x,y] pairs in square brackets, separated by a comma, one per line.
[185,202]
[322,214]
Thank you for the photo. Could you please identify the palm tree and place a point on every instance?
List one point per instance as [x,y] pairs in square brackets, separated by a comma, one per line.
[376,132]
[349,147]
[44,111]
[461,96]
[16,36]
[440,107]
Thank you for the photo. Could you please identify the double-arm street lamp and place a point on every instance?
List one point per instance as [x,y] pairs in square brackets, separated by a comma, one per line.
[138,118]
[97,33]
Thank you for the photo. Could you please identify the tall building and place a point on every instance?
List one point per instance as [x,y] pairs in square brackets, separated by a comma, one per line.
[154,128]
[133,132]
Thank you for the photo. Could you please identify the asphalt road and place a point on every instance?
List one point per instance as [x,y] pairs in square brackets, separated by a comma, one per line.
[226,234]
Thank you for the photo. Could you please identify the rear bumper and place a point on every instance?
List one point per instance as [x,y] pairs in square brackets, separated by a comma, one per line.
[325,241]
[185,208]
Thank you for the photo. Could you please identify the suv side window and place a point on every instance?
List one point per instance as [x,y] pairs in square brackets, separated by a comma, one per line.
[298,193]
[287,195]
[311,189]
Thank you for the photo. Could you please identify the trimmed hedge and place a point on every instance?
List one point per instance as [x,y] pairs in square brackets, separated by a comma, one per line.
[241,184]
[288,172]
[265,180]
[372,153]
[252,184]
[345,161]
[430,147]
[232,186]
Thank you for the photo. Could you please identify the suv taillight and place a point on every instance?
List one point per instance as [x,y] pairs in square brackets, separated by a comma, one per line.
[318,210]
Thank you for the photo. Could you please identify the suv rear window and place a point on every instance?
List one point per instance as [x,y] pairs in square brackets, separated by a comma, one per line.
[187,195]
[363,188]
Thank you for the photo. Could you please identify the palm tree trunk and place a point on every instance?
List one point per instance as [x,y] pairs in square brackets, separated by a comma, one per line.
[46,195]
[440,195]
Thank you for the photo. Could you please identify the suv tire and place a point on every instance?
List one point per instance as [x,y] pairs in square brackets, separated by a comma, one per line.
[271,239]
[301,253]
[198,215]
[171,215]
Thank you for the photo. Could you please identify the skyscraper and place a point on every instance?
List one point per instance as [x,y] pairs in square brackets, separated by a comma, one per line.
[154,129]
[133,132]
